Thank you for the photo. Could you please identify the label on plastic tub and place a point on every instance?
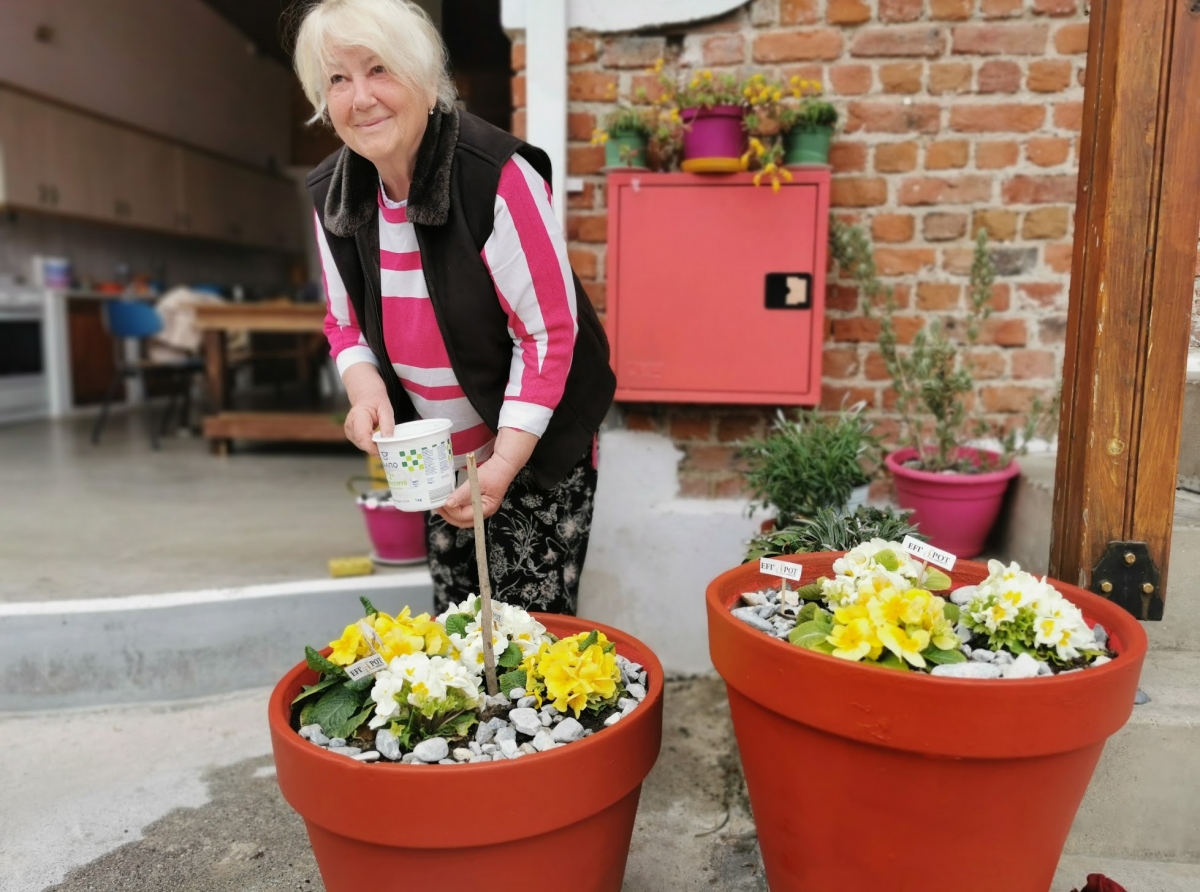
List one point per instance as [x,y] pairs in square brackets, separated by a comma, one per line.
[368,666]
[782,569]
[923,551]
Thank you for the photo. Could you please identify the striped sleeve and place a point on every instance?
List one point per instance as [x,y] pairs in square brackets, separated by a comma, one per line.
[527,257]
[347,345]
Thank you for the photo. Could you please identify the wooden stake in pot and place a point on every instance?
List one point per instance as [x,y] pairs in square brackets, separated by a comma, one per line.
[485,585]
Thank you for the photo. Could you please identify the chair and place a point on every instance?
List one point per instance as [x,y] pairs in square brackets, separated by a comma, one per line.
[135,319]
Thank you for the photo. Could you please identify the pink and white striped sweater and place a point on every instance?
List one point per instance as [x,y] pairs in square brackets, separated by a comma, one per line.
[526,255]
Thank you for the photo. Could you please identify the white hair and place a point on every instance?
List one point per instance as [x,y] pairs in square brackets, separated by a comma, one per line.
[398,32]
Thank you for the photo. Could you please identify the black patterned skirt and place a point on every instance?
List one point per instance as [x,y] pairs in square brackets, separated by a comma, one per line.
[536,544]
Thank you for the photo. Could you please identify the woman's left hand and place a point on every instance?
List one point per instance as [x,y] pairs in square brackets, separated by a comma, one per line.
[513,448]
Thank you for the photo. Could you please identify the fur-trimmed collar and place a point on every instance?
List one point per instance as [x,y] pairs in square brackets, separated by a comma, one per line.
[351,202]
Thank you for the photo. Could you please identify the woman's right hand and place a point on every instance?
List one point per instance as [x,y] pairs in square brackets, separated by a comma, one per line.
[370,408]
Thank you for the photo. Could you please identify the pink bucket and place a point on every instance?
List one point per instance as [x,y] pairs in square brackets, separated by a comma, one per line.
[398,536]
[956,511]
[713,132]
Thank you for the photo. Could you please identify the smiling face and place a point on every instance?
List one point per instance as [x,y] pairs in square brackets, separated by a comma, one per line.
[373,111]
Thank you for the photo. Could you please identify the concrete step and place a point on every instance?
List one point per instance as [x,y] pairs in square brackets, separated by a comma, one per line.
[1023,535]
[1142,801]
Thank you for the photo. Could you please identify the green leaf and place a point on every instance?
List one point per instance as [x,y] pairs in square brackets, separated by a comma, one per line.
[335,707]
[314,689]
[810,592]
[812,610]
[352,724]
[890,661]
[587,642]
[306,712]
[887,559]
[951,611]
[809,634]
[936,580]
[609,648]
[456,623]
[318,663]
[514,679]
[943,657]
[367,605]
[361,684]
[511,657]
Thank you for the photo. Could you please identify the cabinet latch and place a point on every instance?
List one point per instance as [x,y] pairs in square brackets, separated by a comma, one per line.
[1127,575]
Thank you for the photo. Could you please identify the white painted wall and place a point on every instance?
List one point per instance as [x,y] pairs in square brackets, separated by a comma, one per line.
[174,67]
[652,555]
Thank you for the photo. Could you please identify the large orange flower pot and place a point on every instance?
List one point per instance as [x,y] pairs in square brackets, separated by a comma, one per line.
[864,779]
[495,825]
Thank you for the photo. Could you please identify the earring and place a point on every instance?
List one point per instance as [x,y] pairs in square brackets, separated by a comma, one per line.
[431,108]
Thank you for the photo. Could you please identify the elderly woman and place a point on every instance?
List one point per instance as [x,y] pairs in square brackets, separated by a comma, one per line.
[450,296]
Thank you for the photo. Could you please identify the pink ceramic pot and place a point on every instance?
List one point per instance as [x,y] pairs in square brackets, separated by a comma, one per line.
[956,511]
[713,132]
[398,537]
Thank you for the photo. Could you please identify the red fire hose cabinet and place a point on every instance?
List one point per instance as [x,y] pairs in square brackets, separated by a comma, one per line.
[716,287]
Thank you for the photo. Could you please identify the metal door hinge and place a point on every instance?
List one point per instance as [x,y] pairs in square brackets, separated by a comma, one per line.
[1127,575]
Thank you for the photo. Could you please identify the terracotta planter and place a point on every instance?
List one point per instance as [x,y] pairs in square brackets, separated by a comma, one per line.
[392,826]
[956,511]
[865,779]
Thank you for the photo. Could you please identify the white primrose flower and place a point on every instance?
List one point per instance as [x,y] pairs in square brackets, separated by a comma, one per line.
[517,625]
[469,605]
[387,688]
[992,612]
[446,674]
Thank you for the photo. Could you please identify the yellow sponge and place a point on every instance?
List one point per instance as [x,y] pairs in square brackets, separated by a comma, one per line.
[351,566]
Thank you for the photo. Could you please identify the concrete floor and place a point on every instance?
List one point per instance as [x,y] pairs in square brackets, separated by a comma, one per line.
[83,521]
[183,796]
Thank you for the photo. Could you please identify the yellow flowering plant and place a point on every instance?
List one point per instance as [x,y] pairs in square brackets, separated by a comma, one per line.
[575,673]
[879,608]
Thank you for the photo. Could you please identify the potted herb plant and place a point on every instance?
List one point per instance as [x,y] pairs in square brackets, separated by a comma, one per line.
[709,111]
[393,719]
[955,490]
[624,136]
[878,701]
[833,530]
[807,122]
[812,461]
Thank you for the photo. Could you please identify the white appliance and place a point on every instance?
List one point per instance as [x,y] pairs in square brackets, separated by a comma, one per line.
[26,349]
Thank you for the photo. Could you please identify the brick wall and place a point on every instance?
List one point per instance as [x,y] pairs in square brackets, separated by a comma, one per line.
[956,115]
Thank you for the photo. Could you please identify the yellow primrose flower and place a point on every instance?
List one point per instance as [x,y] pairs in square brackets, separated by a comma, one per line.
[787,174]
[943,636]
[758,178]
[572,679]
[847,615]
[346,650]
[599,137]
[851,641]
[887,608]
[902,643]
[916,601]
[794,79]
[777,95]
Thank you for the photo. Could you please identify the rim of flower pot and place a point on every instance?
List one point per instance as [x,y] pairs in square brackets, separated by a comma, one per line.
[914,711]
[596,771]
[894,461]
[724,111]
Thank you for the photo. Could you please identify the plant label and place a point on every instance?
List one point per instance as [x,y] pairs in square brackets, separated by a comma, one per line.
[923,551]
[368,666]
[782,569]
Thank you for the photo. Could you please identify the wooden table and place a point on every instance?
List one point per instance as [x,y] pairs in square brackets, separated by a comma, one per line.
[222,426]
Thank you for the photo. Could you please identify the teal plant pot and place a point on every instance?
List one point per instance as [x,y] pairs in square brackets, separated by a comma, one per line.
[625,148]
[807,146]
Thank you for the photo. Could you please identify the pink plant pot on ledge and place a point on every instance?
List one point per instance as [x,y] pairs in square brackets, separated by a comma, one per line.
[713,132]
[956,511]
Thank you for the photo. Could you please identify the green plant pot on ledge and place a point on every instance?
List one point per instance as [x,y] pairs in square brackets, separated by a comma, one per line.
[807,146]
[625,148]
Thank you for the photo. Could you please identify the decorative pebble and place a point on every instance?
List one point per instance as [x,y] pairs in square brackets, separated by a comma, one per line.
[337,741]
[527,749]
[409,758]
[550,710]
[589,732]
[500,701]
[1101,635]
[543,741]
[525,720]
[319,739]
[750,617]
[627,705]
[613,719]
[497,723]
[489,749]
[506,733]
[462,754]
[447,762]
[544,719]
[475,748]
[789,598]
[1003,658]
[432,750]
[754,599]
[508,748]
[368,756]
[480,758]
[387,744]
[1044,669]
[642,679]
[636,691]
[484,733]
[516,693]
[307,731]
[345,750]
[982,656]
[567,731]
[1101,660]
[967,670]
[963,596]
[527,702]
[1024,666]
[767,611]
[1141,698]
[556,719]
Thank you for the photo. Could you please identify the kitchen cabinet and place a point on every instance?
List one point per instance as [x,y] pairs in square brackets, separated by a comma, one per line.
[60,161]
